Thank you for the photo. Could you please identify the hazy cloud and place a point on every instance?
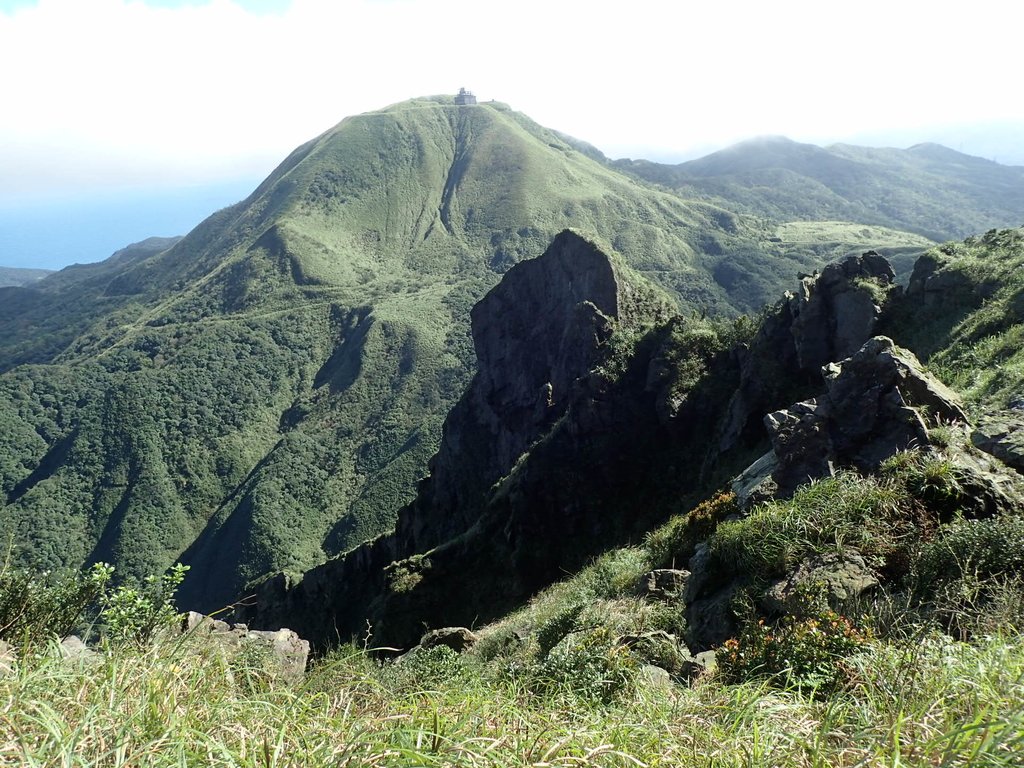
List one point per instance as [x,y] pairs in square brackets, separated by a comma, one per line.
[101,91]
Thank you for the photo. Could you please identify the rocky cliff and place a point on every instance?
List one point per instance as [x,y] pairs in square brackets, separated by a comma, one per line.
[542,328]
[594,416]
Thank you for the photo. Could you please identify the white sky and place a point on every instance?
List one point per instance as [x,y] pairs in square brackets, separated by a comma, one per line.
[116,92]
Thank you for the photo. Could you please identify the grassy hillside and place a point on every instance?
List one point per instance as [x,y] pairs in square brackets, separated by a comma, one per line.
[972,336]
[267,391]
[916,703]
[928,189]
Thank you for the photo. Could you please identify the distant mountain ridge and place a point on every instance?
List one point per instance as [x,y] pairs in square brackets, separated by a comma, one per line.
[927,189]
[18,276]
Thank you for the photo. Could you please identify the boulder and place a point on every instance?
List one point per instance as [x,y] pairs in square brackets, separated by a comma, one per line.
[199,623]
[984,486]
[833,579]
[459,639]
[8,658]
[656,678]
[663,584]
[755,484]
[288,652]
[1001,434]
[73,648]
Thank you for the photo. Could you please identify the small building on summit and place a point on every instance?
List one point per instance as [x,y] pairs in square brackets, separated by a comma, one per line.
[465,97]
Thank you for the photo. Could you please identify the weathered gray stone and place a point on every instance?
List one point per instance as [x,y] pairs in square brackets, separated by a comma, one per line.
[73,648]
[1001,434]
[286,652]
[755,484]
[833,579]
[289,652]
[8,658]
[872,407]
[653,676]
[663,584]
[198,622]
[459,639]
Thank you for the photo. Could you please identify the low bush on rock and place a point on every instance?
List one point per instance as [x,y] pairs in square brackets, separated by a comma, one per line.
[804,653]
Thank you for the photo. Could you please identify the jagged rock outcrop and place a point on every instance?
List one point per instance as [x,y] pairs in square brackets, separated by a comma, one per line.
[835,312]
[536,333]
[871,408]
[467,548]
[829,318]
[875,403]
[932,288]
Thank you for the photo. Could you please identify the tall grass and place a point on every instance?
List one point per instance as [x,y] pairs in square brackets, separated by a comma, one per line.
[927,701]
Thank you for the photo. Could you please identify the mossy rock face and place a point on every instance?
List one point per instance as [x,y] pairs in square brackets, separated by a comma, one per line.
[834,580]
[1001,434]
[459,639]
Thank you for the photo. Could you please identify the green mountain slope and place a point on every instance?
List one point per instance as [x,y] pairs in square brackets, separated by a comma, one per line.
[927,189]
[267,391]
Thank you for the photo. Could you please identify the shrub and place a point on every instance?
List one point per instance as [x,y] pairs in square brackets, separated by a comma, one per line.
[673,544]
[40,606]
[936,482]
[983,548]
[616,573]
[134,614]
[423,669]
[798,652]
[587,665]
[551,632]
